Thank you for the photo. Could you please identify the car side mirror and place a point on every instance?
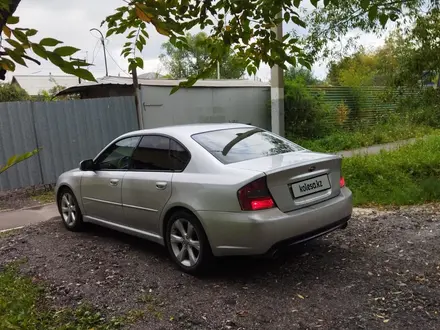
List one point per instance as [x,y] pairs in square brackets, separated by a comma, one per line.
[87,165]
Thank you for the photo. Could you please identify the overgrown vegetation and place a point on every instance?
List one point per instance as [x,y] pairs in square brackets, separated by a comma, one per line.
[410,175]
[23,306]
[368,136]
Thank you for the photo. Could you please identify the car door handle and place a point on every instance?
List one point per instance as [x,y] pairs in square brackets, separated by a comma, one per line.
[161,185]
[114,182]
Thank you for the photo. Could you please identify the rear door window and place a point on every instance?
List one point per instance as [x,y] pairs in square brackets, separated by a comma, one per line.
[159,153]
[240,144]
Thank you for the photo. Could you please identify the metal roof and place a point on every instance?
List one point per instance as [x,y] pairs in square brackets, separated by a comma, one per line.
[223,83]
[34,84]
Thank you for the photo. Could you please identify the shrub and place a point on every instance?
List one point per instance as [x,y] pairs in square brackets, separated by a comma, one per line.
[305,113]
[421,106]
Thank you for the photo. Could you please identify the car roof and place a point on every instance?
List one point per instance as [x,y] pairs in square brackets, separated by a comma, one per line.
[187,130]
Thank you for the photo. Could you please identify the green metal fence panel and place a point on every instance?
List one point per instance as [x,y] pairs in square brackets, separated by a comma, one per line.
[367,105]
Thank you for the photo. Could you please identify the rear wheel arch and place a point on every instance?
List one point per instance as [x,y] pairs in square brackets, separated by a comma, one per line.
[166,218]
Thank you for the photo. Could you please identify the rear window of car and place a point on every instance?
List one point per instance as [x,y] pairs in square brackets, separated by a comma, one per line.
[240,144]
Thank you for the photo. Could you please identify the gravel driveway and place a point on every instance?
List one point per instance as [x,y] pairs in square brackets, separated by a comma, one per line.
[382,272]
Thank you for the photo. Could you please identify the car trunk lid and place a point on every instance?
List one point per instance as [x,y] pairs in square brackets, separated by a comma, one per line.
[298,179]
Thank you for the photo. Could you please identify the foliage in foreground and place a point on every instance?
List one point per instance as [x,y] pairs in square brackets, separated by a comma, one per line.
[14,160]
[366,137]
[23,306]
[184,63]
[410,175]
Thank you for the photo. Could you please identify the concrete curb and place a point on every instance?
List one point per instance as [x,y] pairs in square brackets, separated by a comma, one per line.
[35,207]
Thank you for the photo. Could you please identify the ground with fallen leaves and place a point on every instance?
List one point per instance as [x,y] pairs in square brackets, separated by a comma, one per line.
[382,272]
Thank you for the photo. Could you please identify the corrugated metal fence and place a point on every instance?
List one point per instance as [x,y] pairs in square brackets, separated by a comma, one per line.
[67,132]
[366,104]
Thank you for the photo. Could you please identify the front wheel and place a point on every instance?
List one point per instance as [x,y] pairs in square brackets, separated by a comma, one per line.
[187,243]
[70,211]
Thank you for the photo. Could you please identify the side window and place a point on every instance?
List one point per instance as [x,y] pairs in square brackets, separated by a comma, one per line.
[158,153]
[118,155]
[179,156]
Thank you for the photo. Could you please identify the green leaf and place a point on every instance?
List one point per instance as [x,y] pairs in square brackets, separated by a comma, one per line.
[31,32]
[13,20]
[84,74]
[21,36]
[14,160]
[383,18]
[140,62]
[372,13]
[66,51]
[365,4]
[296,3]
[50,42]
[16,57]
[299,22]
[7,64]
[15,44]
[39,51]
[326,2]
[286,17]
[56,59]
[314,3]
[80,63]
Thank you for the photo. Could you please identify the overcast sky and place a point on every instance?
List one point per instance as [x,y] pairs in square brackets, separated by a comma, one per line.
[70,21]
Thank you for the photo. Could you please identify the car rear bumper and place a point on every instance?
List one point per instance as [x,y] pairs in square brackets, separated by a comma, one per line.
[258,233]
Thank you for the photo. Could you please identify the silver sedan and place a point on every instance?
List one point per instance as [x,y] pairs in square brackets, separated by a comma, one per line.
[208,190]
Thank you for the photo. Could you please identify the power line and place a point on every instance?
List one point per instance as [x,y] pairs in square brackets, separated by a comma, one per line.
[95,51]
[109,53]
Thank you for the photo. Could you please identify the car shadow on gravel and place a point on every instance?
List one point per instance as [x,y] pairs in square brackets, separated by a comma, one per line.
[319,257]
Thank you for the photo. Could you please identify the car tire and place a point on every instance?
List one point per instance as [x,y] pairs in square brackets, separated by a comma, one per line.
[187,243]
[69,210]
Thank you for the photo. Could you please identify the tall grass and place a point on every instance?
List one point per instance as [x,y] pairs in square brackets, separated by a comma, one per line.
[409,175]
[365,137]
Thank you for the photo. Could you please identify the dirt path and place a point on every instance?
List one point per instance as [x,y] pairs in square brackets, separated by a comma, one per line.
[383,272]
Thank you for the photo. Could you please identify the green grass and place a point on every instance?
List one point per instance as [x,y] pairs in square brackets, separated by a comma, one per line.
[44,196]
[23,306]
[379,134]
[407,176]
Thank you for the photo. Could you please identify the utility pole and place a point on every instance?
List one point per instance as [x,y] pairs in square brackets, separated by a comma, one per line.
[137,98]
[277,89]
[79,60]
[103,47]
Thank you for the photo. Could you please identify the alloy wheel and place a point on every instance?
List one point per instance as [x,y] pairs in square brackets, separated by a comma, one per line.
[68,209]
[185,242]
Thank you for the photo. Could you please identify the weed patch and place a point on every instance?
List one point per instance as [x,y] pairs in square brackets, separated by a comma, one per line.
[347,140]
[409,175]
[23,306]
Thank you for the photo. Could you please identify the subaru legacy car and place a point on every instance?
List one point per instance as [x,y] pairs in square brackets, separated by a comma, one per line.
[208,190]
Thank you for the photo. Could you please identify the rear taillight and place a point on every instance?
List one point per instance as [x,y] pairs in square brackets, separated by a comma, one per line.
[255,196]
[342,182]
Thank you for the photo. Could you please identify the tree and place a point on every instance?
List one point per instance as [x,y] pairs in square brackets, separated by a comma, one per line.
[245,27]
[328,24]
[241,26]
[18,41]
[301,74]
[184,63]
[360,69]
[11,93]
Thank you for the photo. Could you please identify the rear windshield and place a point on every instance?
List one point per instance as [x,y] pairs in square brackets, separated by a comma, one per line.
[240,144]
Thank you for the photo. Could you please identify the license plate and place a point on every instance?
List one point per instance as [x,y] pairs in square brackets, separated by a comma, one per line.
[310,186]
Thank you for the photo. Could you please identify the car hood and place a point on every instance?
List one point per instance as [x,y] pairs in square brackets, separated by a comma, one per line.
[275,162]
